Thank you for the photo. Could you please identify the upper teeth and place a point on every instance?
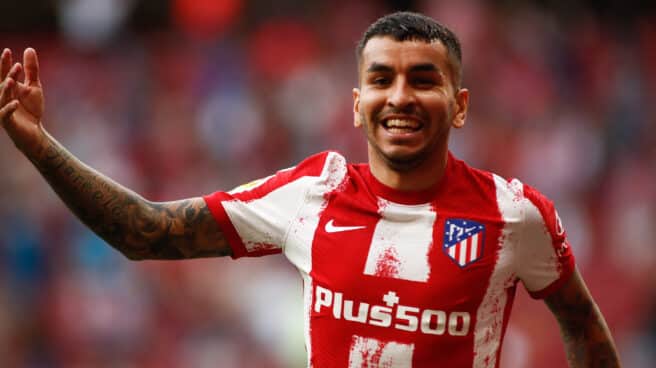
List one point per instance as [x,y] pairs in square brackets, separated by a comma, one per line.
[402,123]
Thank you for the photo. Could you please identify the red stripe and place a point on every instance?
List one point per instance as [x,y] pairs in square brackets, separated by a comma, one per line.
[216,208]
[457,255]
[312,166]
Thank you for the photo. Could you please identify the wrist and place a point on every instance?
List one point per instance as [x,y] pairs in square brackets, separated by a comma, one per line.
[35,150]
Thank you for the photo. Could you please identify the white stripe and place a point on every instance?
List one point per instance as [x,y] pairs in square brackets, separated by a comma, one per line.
[401,242]
[537,264]
[463,252]
[490,314]
[369,352]
[474,248]
[298,240]
[297,244]
[264,221]
[452,251]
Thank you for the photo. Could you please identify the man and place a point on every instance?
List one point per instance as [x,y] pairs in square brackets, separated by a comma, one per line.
[409,261]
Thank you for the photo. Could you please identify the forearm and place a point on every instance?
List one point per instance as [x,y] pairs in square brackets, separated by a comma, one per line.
[588,341]
[136,227]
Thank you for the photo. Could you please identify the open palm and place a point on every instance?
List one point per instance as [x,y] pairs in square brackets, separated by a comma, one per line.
[23,125]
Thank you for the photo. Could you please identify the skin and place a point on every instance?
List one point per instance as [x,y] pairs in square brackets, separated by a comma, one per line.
[406,80]
[587,339]
[138,228]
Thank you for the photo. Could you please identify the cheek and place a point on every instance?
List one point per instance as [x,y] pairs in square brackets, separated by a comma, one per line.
[371,102]
[366,113]
[440,107]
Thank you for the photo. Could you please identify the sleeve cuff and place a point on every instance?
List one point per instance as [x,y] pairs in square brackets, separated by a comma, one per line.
[216,208]
[567,271]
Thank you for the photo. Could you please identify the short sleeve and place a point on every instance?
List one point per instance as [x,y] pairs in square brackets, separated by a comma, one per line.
[255,217]
[544,257]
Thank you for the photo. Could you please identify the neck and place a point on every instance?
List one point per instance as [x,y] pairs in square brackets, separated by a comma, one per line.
[424,176]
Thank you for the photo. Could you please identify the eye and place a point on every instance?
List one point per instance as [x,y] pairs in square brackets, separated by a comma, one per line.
[380,81]
[423,82]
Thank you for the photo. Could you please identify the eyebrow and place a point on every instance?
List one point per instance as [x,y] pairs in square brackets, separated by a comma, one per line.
[378,67]
[383,68]
[426,67]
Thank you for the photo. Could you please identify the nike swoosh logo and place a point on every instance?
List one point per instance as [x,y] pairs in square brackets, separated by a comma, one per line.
[330,228]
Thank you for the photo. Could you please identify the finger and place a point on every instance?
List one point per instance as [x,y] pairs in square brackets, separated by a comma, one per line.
[5,63]
[6,91]
[31,63]
[7,110]
[14,72]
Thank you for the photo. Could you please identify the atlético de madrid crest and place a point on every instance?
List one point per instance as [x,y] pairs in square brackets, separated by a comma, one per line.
[463,241]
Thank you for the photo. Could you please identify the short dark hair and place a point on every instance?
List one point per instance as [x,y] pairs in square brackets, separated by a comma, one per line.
[409,26]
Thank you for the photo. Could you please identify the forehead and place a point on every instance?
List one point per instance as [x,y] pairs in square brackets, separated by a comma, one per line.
[404,54]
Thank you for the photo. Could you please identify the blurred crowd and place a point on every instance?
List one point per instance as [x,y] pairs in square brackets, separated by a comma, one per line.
[228,91]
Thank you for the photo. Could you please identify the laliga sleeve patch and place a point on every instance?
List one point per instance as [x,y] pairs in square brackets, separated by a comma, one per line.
[463,241]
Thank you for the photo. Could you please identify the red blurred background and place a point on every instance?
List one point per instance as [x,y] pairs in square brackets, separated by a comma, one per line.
[181,98]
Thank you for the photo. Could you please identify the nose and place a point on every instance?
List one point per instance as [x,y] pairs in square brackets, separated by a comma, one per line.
[401,96]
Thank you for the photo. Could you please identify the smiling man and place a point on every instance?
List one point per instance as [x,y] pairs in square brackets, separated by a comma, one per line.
[409,98]
[409,261]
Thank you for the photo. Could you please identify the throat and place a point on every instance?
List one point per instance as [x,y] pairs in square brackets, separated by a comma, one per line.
[414,173]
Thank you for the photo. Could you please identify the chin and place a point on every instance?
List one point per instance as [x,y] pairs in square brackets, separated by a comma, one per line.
[403,160]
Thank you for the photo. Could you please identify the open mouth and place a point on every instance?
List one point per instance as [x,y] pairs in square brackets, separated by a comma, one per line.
[399,125]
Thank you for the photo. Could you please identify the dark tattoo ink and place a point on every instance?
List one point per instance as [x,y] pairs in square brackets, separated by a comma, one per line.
[587,340]
[138,228]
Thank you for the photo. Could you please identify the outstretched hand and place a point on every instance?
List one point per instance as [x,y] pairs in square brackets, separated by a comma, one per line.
[21,103]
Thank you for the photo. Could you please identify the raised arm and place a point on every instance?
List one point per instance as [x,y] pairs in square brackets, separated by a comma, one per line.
[138,228]
[587,339]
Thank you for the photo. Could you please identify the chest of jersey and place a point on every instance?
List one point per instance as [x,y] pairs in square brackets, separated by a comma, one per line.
[411,276]
[396,279]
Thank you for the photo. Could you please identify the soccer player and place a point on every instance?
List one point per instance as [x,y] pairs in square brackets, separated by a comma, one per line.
[411,260]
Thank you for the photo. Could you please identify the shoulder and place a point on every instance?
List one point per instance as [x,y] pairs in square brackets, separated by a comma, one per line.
[314,166]
[511,188]
[462,175]
[515,199]
[542,211]
[328,166]
[319,163]
[535,212]
[536,208]
[482,191]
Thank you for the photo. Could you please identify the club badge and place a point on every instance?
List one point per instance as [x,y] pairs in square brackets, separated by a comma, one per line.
[463,241]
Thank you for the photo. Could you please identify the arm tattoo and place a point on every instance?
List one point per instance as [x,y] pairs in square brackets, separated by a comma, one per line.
[587,339]
[138,228]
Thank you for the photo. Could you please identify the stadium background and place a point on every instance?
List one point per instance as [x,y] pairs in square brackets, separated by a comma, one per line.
[183,97]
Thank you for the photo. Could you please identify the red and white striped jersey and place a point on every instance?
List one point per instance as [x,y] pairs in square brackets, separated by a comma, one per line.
[400,279]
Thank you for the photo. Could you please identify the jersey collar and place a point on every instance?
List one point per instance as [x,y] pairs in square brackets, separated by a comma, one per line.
[409,197]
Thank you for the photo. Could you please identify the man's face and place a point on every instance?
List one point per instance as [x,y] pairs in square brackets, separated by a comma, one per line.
[407,101]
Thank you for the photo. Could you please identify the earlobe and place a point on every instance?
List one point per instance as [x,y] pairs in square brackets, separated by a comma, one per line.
[356,108]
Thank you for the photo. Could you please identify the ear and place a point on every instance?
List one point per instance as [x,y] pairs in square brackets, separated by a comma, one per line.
[462,103]
[356,108]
